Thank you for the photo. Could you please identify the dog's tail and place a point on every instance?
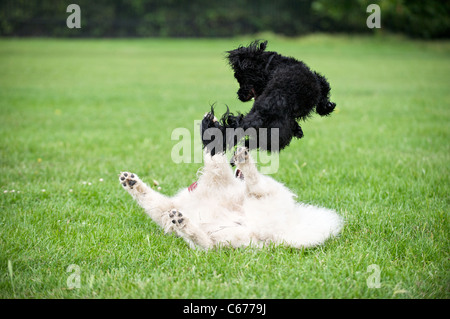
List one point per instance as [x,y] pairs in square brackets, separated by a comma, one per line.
[324,106]
[312,226]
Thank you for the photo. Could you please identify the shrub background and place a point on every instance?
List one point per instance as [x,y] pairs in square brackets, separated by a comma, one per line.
[206,18]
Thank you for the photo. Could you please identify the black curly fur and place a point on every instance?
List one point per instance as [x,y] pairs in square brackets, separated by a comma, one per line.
[285,91]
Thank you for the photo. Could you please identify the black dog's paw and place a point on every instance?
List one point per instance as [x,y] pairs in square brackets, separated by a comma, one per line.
[209,121]
[211,129]
[209,118]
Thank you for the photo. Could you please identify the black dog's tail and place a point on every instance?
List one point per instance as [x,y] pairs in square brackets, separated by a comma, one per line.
[324,106]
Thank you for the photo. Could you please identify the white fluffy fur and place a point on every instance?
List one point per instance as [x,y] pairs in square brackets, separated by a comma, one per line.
[228,211]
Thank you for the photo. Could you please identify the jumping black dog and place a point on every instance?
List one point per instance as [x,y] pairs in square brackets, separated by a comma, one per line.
[284,90]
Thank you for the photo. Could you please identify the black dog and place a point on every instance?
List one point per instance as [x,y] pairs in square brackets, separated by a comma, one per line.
[285,90]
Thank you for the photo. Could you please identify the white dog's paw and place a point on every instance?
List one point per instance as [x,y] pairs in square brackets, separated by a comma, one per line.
[128,180]
[241,155]
[177,218]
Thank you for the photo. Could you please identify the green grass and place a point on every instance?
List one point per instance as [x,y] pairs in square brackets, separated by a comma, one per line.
[77,111]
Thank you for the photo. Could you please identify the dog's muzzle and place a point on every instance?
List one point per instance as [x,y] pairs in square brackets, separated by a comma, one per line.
[238,174]
[247,95]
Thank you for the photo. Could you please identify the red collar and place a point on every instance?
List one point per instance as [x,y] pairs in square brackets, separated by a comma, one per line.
[192,186]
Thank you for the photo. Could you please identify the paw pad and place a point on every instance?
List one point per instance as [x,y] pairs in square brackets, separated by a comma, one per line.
[128,179]
[177,217]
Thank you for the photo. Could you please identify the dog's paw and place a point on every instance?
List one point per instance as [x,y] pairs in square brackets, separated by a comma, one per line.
[177,218]
[128,180]
[210,116]
[241,156]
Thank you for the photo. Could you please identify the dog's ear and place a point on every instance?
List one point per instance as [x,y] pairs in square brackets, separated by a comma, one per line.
[260,47]
[257,47]
[241,58]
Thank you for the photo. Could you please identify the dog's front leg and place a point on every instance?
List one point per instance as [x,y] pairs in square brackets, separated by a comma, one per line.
[254,185]
[216,172]
[155,204]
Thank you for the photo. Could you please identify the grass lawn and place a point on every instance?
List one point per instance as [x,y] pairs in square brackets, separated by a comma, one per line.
[74,113]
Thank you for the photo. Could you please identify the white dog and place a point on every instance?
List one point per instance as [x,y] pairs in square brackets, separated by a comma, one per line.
[227,209]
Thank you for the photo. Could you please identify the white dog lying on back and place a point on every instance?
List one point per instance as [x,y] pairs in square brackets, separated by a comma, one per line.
[227,209]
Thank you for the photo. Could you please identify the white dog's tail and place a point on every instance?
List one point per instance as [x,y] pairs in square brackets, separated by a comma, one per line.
[312,226]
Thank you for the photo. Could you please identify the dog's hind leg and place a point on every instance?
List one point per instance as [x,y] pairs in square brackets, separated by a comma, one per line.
[189,231]
[155,204]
